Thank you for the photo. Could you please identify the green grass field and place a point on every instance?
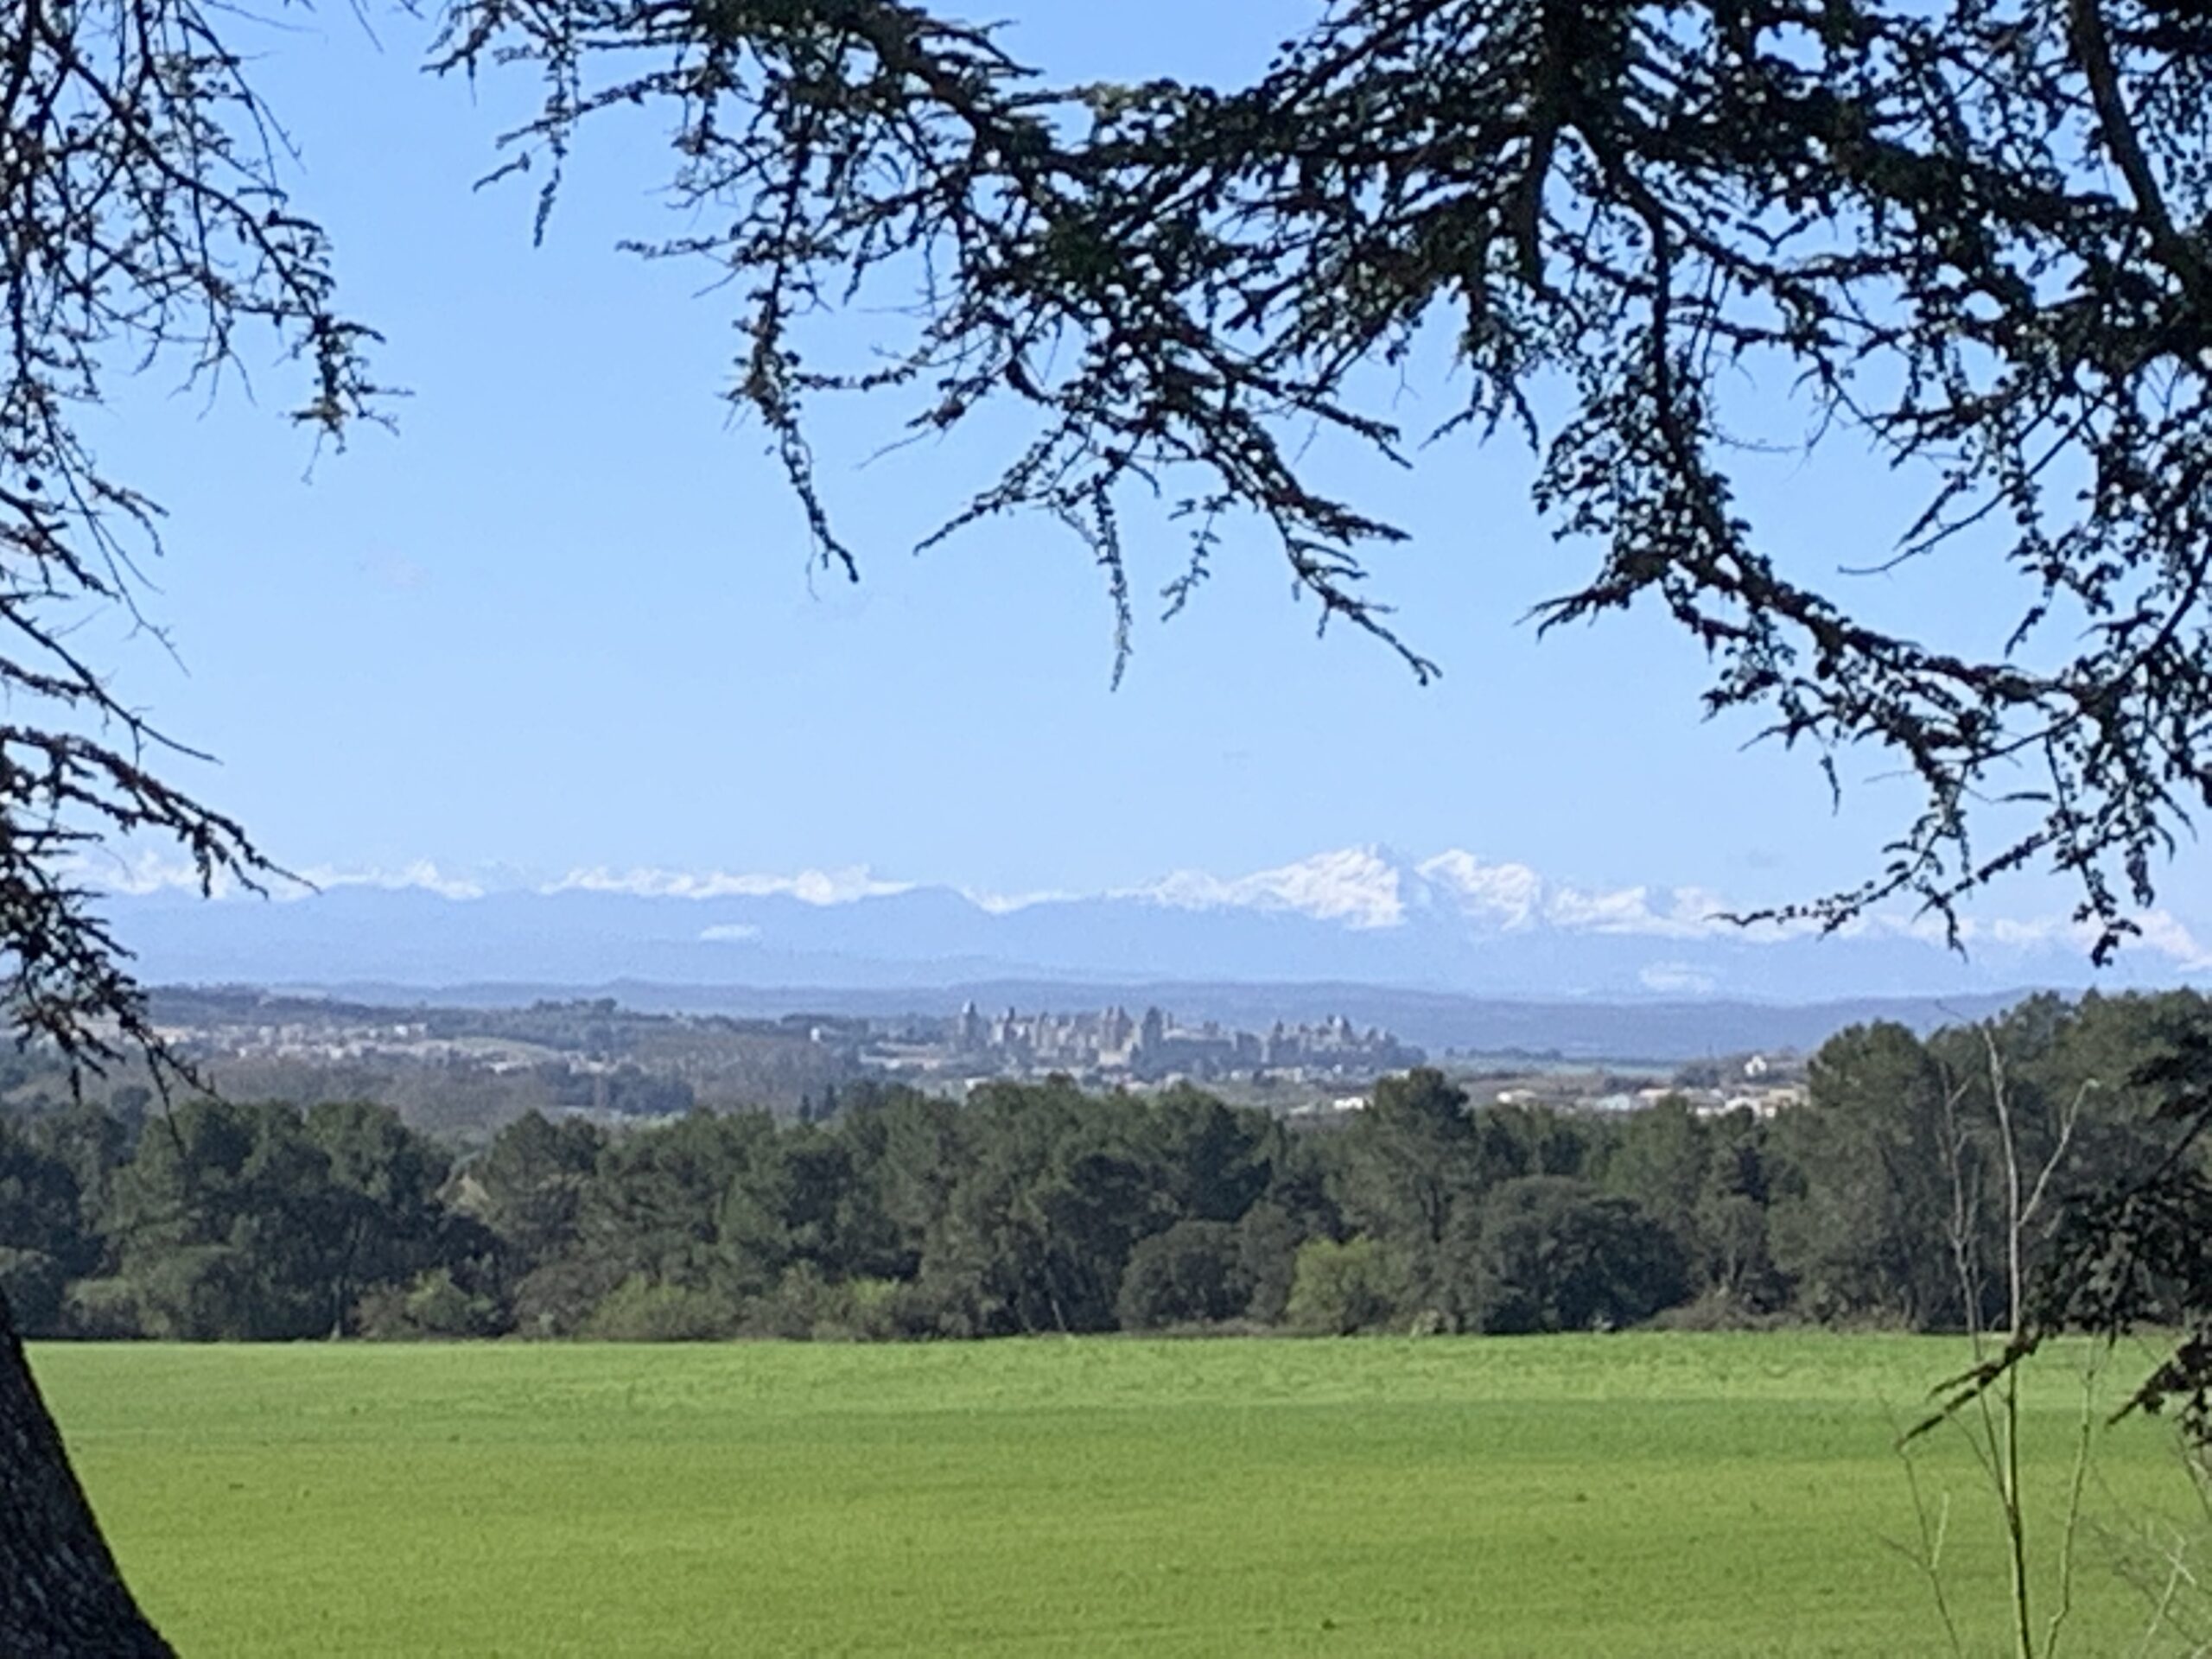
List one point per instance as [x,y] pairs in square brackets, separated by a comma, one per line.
[1619,1494]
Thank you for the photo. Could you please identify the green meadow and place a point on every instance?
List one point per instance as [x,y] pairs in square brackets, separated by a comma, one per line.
[1603,1494]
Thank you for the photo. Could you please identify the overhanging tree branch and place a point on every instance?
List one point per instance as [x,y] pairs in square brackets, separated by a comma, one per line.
[1620,210]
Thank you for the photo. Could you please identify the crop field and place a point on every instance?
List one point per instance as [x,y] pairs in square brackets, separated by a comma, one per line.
[1603,1494]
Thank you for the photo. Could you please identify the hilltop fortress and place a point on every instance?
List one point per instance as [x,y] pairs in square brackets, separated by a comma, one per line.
[1111,1042]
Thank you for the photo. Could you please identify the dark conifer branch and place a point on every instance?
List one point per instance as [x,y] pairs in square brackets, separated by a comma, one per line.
[1901,212]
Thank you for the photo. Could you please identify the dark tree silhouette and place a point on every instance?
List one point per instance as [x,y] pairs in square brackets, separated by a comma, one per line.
[59,1592]
[1971,234]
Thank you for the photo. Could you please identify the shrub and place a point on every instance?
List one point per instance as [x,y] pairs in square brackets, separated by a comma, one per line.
[637,1310]
[1340,1289]
[434,1307]
[1559,1255]
[1193,1274]
[557,1299]
[805,1306]
[103,1310]
[33,1282]
[1717,1310]
[875,1310]
[1267,1254]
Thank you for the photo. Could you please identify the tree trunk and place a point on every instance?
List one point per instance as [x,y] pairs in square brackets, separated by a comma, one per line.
[59,1591]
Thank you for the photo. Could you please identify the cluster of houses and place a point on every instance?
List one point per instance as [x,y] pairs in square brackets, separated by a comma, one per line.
[1755,1083]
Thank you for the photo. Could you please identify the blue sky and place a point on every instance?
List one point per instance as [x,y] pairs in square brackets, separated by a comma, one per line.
[564,618]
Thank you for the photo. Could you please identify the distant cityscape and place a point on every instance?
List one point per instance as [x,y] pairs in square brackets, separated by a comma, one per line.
[469,1069]
[1112,1045]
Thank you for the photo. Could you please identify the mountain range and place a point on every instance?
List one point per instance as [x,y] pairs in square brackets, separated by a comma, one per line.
[1452,925]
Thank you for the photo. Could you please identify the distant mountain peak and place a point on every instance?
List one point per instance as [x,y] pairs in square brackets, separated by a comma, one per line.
[1360,886]
[1370,887]
[1453,920]
[1510,895]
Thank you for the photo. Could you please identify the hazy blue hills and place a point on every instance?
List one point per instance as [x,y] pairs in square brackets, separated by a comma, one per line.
[1362,916]
[1438,935]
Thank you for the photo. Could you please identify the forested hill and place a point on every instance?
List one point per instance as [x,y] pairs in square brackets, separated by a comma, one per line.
[1036,1207]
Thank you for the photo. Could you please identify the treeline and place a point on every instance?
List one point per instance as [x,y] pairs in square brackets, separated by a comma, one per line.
[1037,1208]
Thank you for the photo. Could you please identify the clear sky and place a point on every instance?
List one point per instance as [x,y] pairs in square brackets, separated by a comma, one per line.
[564,618]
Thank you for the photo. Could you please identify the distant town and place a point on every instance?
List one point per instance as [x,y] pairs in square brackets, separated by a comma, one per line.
[466,1070]
[1113,1046]
[1108,1047]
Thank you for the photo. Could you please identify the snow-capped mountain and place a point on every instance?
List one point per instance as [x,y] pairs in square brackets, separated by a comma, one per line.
[1364,915]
